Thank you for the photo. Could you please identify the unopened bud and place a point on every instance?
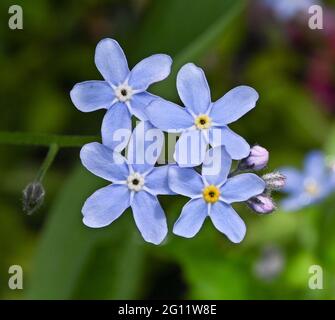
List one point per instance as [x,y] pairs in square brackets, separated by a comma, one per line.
[274,180]
[33,196]
[257,159]
[262,204]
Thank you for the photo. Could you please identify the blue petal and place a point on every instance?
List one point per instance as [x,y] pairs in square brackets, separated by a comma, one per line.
[150,70]
[328,185]
[185,181]
[294,180]
[216,165]
[190,150]
[157,180]
[139,103]
[105,205]
[116,127]
[92,95]
[315,165]
[227,221]
[297,201]
[111,61]
[191,219]
[104,162]
[193,89]
[233,105]
[235,145]
[149,217]
[145,146]
[286,10]
[242,187]
[168,116]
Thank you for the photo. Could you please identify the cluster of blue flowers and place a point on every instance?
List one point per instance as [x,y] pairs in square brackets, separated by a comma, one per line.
[205,141]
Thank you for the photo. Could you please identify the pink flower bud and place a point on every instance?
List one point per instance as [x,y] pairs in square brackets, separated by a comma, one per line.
[261,204]
[257,159]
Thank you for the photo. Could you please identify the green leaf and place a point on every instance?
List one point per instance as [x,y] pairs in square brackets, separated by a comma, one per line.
[116,268]
[185,30]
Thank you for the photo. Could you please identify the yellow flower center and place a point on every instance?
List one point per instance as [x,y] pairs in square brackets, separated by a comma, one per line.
[211,194]
[312,188]
[203,121]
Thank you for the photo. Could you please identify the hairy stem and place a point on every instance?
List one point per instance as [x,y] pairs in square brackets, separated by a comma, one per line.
[53,150]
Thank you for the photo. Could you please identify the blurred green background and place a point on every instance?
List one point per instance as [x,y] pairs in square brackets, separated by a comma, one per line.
[235,42]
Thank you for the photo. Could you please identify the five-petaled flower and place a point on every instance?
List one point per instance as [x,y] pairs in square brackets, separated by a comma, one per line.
[201,121]
[123,92]
[134,184]
[212,195]
[311,185]
[288,9]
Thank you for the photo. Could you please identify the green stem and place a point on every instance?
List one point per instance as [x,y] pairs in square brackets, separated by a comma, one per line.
[53,150]
[41,139]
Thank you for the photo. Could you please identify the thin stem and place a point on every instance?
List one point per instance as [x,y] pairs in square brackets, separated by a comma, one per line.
[41,139]
[53,150]
[235,171]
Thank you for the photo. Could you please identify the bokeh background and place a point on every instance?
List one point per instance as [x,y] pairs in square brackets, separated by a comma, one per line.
[235,42]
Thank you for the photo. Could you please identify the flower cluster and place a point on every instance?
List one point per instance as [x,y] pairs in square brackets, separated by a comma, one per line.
[206,145]
[312,185]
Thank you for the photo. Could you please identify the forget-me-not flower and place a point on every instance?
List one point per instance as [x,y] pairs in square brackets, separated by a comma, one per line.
[134,184]
[202,122]
[122,92]
[311,185]
[288,9]
[212,195]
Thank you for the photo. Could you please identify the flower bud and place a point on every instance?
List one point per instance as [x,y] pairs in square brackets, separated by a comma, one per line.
[33,196]
[257,159]
[274,180]
[262,204]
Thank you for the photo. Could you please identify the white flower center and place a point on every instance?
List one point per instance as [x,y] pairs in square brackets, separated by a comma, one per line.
[135,182]
[123,92]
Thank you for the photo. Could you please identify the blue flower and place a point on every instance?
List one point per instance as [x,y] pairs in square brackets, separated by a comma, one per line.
[134,184]
[212,194]
[288,9]
[202,122]
[123,92]
[311,185]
